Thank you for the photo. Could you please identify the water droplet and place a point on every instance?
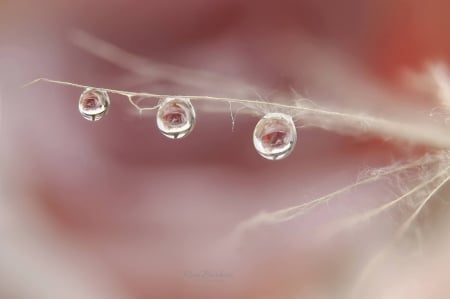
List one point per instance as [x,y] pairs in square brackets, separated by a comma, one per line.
[93,104]
[176,117]
[275,136]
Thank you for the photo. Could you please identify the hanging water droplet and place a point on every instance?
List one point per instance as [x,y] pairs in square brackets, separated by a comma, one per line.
[93,104]
[176,117]
[275,136]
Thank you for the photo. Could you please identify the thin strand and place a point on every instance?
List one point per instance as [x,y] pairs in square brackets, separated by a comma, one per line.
[287,214]
[345,123]
[130,99]
[233,118]
[218,99]
[376,211]
[400,232]
[407,224]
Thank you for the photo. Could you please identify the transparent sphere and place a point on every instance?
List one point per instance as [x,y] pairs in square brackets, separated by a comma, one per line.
[93,104]
[176,117]
[275,136]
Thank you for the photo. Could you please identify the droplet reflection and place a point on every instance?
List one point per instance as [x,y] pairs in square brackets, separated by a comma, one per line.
[176,117]
[275,136]
[93,104]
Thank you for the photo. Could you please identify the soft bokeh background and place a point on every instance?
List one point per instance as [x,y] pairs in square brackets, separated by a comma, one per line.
[115,210]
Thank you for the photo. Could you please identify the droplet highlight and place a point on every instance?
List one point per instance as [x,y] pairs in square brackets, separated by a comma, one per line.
[93,104]
[175,117]
[275,136]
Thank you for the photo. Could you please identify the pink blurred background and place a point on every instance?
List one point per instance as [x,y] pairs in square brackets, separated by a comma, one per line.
[120,211]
